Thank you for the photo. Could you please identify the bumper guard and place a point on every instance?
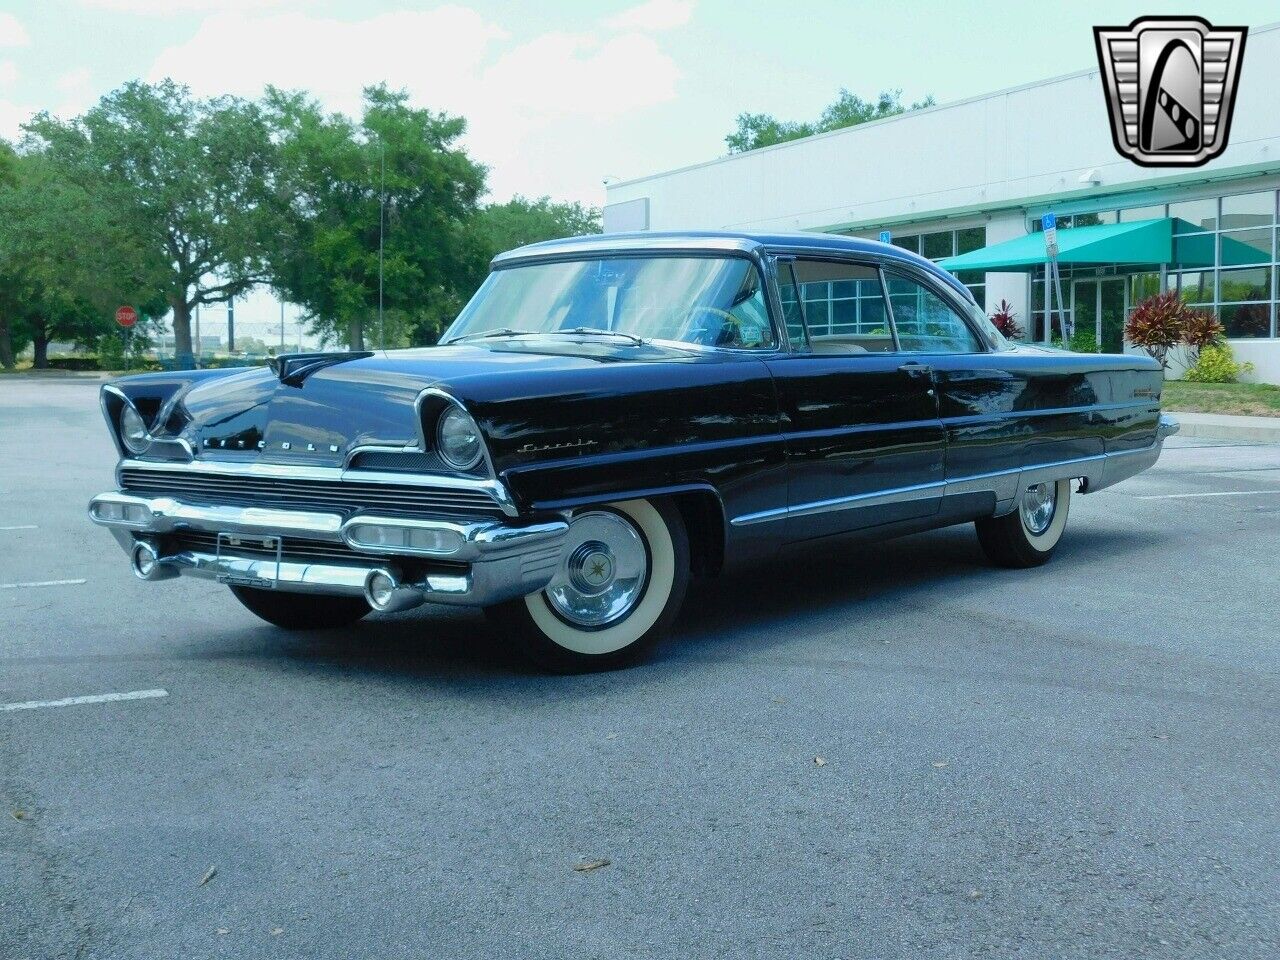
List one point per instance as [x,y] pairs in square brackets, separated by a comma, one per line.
[485,561]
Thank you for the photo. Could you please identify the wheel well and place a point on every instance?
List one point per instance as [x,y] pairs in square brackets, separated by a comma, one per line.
[703,518]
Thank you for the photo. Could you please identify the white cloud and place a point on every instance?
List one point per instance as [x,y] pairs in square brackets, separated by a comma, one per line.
[435,54]
[155,8]
[8,72]
[559,90]
[12,33]
[73,80]
[12,115]
[653,15]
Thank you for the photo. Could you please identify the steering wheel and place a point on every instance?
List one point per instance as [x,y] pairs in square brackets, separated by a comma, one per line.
[695,328]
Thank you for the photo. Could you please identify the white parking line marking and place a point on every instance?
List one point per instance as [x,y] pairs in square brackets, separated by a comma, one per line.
[42,583]
[76,701]
[25,526]
[1219,493]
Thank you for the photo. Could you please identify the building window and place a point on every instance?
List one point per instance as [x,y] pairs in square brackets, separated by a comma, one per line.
[940,244]
[843,300]
[1225,259]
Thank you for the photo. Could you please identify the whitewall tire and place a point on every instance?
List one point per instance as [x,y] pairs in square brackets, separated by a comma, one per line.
[621,581]
[1028,536]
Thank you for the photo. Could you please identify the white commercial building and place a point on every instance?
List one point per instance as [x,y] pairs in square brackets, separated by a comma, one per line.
[961,177]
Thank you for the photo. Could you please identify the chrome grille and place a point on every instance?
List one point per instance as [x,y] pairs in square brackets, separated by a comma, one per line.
[345,496]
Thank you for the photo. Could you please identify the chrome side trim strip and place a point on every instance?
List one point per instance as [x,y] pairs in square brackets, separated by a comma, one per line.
[1099,471]
[921,491]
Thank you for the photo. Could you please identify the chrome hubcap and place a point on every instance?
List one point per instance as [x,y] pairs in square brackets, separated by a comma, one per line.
[1038,506]
[603,574]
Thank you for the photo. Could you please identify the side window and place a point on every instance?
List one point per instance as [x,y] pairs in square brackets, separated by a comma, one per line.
[790,298]
[925,322]
[843,307]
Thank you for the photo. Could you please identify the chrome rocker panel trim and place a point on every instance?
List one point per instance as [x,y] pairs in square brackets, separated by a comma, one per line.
[1096,473]
[505,562]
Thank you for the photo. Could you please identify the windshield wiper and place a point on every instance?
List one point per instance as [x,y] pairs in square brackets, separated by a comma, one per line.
[575,331]
[486,334]
[640,341]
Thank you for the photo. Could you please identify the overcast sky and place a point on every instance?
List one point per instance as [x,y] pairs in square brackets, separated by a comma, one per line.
[560,94]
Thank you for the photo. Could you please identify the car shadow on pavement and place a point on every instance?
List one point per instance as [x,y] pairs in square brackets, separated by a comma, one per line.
[852,582]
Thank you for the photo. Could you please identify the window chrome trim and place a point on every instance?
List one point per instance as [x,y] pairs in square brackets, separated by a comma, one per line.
[621,244]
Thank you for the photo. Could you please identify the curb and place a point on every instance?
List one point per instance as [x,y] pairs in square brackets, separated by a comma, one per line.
[60,376]
[1220,426]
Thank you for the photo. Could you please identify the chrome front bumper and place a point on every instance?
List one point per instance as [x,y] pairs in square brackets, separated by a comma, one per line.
[473,562]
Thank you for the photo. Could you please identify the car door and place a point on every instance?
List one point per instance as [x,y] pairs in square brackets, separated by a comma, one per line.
[1001,409]
[863,438]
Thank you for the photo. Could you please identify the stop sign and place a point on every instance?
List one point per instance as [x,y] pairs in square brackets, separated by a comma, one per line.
[126,316]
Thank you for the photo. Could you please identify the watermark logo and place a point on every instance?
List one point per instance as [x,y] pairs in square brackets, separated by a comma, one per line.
[1171,88]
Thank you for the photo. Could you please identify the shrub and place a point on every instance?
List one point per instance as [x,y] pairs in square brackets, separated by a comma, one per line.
[1006,321]
[1082,341]
[1201,329]
[81,362]
[1157,324]
[1217,364]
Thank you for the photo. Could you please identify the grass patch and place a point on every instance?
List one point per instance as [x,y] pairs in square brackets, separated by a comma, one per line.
[1242,399]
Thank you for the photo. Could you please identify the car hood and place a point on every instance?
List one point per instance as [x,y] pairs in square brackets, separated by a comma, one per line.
[370,400]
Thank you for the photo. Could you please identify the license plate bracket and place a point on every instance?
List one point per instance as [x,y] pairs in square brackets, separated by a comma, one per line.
[259,568]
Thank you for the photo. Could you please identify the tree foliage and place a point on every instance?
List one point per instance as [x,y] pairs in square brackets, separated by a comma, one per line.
[333,177]
[66,263]
[165,201]
[520,221]
[757,130]
[189,179]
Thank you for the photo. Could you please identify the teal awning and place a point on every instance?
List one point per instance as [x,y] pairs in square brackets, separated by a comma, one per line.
[1166,240]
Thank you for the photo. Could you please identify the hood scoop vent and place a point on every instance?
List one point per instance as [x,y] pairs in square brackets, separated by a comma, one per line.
[294,368]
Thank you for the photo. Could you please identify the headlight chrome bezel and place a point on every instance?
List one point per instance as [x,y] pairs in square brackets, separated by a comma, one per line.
[456,416]
[135,436]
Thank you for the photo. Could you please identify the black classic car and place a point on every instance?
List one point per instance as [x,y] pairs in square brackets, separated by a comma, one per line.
[608,417]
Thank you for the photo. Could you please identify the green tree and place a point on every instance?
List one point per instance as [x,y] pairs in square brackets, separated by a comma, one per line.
[190,179]
[762,130]
[520,221]
[333,177]
[8,164]
[66,263]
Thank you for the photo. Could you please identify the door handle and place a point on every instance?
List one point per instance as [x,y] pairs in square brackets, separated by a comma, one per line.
[919,371]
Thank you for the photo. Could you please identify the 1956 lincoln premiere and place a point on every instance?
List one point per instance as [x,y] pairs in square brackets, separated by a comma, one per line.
[608,417]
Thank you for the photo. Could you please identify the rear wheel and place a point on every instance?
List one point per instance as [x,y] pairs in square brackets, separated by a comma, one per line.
[301,611]
[621,581]
[1028,536]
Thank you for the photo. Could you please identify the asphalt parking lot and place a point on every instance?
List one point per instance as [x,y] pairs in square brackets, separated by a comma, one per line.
[1075,761]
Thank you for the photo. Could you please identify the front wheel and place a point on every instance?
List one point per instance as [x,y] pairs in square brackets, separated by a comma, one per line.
[1028,536]
[621,581]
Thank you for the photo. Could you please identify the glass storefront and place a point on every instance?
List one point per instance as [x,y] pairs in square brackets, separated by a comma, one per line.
[940,244]
[1224,260]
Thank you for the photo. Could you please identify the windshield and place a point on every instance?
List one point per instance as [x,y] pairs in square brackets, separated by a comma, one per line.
[701,301]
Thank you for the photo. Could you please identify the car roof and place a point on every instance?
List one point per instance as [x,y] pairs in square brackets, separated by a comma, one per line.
[726,241]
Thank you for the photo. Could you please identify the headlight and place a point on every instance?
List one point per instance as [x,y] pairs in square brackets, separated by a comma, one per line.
[132,430]
[458,439]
